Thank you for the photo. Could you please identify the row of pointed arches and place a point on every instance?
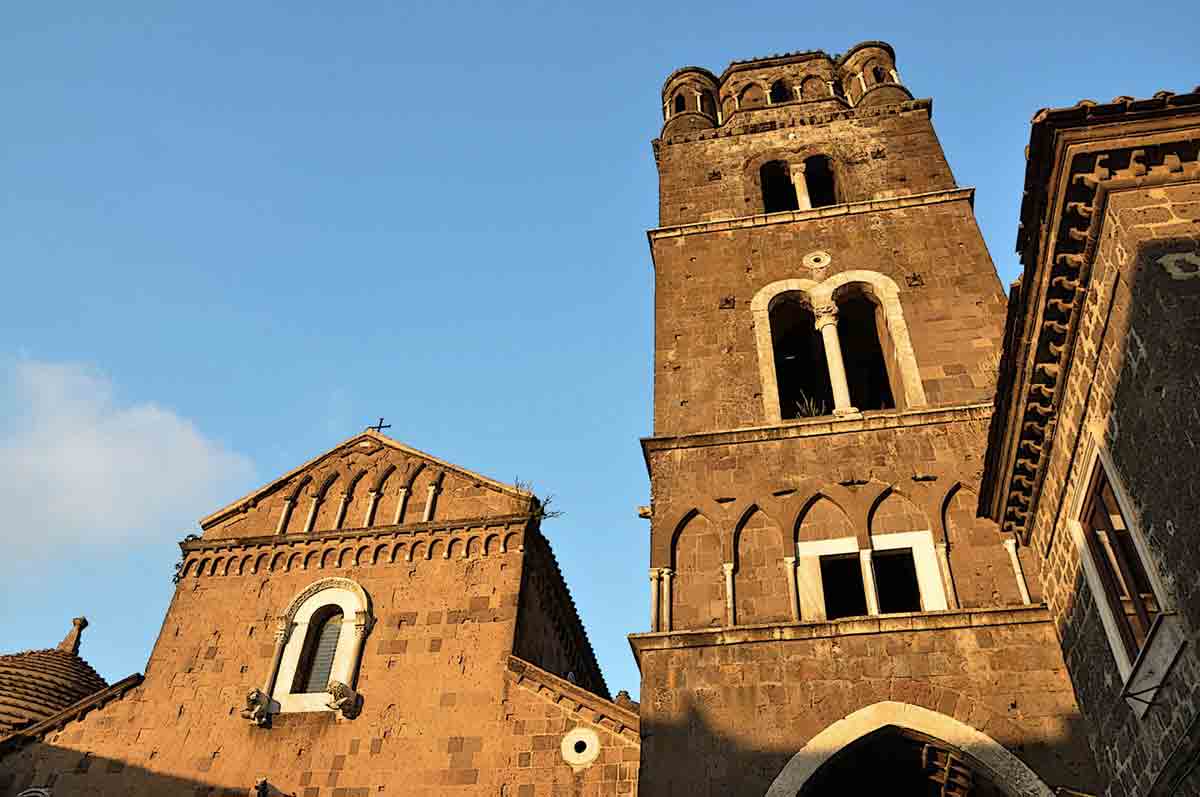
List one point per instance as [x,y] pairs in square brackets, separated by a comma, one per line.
[349,497]
[362,555]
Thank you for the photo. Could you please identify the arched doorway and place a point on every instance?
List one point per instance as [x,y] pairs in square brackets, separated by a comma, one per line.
[900,762]
[902,745]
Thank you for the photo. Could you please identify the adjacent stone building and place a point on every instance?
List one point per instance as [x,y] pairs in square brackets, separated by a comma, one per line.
[875,568]
[1095,444]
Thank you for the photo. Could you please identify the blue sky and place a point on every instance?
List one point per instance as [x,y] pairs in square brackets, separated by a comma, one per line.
[233,234]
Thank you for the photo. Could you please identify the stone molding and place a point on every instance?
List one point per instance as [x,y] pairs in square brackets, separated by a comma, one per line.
[384,545]
[1045,304]
[874,420]
[828,211]
[587,706]
[1003,768]
[880,624]
[810,120]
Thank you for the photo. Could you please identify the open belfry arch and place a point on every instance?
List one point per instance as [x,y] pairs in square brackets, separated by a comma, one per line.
[827,323]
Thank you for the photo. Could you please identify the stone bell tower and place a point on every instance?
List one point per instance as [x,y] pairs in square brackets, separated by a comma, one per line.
[827,322]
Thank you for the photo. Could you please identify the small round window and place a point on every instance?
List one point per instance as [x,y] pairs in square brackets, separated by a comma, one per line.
[580,747]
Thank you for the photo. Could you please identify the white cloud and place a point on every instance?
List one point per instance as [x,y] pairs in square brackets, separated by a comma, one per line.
[77,466]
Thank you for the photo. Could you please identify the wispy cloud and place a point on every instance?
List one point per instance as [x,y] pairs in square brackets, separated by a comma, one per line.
[80,467]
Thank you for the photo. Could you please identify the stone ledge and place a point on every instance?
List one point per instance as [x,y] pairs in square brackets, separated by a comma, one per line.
[573,698]
[875,420]
[857,626]
[830,211]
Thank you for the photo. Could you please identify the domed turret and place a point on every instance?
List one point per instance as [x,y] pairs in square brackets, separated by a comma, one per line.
[869,77]
[37,684]
[689,100]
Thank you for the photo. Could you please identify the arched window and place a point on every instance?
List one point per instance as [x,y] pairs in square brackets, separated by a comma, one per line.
[818,177]
[879,74]
[778,192]
[862,354]
[751,97]
[800,369]
[780,92]
[707,104]
[679,103]
[316,660]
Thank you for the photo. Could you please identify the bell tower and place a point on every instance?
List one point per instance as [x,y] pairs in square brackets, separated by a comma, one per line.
[827,327]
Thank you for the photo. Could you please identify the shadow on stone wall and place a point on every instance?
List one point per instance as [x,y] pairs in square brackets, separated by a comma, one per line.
[62,771]
[692,757]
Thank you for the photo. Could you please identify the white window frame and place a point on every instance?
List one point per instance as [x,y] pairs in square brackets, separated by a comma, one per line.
[925,558]
[1140,677]
[356,619]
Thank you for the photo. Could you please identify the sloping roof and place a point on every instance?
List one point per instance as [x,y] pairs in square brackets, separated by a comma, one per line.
[367,435]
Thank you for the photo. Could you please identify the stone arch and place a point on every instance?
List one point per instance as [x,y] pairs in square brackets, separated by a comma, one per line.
[435,549]
[380,552]
[293,561]
[216,565]
[260,563]
[781,91]
[491,545]
[328,558]
[760,582]
[822,517]
[978,558]
[813,88]
[242,568]
[345,557]
[893,511]
[360,558]
[698,589]
[1003,768]
[326,504]
[454,548]
[312,559]
[907,389]
[473,547]
[189,568]
[752,95]
[509,539]
[418,552]
[292,520]
[277,562]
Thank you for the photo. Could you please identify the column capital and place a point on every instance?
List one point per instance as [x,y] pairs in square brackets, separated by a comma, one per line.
[789,560]
[666,572]
[654,573]
[283,629]
[1010,543]
[727,567]
[825,314]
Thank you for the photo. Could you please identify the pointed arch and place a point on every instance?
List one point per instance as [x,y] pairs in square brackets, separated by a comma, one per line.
[698,591]
[761,592]
[1004,769]
[822,517]
[894,511]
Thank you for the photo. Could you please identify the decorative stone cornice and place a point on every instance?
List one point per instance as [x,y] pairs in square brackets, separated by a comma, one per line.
[573,698]
[800,120]
[929,622]
[1077,158]
[829,211]
[875,420]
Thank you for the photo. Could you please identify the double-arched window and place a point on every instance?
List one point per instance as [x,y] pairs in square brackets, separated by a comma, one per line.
[797,186]
[835,347]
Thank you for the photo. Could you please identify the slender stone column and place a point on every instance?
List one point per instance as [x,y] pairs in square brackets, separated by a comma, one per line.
[803,201]
[372,502]
[827,325]
[343,500]
[868,574]
[654,577]
[430,500]
[789,569]
[862,82]
[832,90]
[895,75]
[283,630]
[401,504]
[1018,571]
[665,597]
[730,614]
[286,515]
[348,669]
[943,552]
[312,514]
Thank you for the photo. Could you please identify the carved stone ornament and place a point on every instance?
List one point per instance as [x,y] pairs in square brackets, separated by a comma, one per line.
[323,584]
[344,699]
[258,708]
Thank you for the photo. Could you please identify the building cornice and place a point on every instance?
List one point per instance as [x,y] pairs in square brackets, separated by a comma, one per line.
[924,105]
[1091,157]
[873,421]
[827,212]
[856,626]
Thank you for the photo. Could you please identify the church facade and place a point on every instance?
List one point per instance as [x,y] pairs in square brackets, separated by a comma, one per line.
[862,575]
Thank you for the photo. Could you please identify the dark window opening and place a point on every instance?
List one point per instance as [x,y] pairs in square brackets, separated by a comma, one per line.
[679,103]
[818,177]
[707,105]
[879,74]
[1122,573]
[778,192]
[842,583]
[780,92]
[866,370]
[320,646]
[839,90]
[800,370]
[896,581]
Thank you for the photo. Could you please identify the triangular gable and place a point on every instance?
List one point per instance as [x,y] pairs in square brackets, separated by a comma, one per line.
[348,473]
